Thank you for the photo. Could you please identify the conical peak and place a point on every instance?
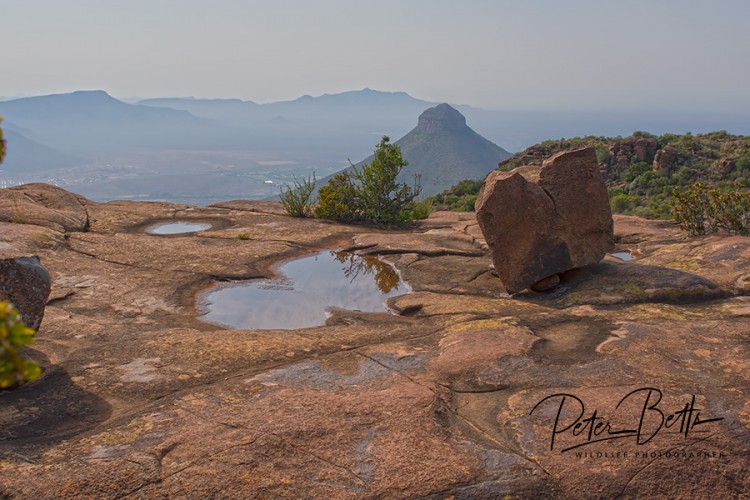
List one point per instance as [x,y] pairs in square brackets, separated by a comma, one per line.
[442,116]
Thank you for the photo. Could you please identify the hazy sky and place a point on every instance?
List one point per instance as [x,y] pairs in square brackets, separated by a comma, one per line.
[591,54]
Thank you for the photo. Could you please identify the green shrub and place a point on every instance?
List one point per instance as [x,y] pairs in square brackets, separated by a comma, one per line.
[422,209]
[371,195]
[298,200]
[459,198]
[381,200]
[243,236]
[700,210]
[14,368]
[337,200]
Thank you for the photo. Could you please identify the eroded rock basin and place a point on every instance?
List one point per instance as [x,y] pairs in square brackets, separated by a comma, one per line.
[141,399]
[169,228]
[304,294]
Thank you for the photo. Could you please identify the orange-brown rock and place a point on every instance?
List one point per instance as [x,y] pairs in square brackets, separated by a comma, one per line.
[142,399]
[44,205]
[543,221]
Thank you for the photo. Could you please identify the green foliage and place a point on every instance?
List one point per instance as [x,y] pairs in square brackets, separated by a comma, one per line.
[459,198]
[422,209]
[371,195]
[298,200]
[622,203]
[700,210]
[337,200]
[2,143]
[243,237]
[382,201]
[14,368]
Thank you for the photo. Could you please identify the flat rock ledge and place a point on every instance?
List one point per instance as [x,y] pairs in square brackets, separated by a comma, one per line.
[453,396]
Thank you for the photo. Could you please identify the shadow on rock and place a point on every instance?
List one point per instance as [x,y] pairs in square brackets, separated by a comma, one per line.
[609,283]
[40,414]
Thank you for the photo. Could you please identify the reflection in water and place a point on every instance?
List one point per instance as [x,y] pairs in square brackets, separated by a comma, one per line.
[386,278]
[623,255]
[178,228]
[308,289]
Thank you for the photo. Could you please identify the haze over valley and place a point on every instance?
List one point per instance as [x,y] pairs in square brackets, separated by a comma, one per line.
[206,150]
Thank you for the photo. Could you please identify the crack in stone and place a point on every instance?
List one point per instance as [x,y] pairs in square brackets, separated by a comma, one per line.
[329,462]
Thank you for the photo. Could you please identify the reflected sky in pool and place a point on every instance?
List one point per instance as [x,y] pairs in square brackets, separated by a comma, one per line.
[177,228]
[307,289]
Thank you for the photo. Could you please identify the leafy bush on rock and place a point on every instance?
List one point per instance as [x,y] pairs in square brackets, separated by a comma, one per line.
[298,200]
[14,334]
[700,210]
[372,195]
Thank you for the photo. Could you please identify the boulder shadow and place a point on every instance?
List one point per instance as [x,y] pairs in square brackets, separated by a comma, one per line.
[40,414]
[610,283]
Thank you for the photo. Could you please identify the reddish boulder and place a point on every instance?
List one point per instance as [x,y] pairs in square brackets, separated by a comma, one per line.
[539,222]
[25,283]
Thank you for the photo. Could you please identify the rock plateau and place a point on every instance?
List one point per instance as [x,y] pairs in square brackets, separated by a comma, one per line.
[141,399]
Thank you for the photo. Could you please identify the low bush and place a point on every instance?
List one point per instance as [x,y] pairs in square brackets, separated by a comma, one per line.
[15,369]
[700,210]
[371,195]
[298,200]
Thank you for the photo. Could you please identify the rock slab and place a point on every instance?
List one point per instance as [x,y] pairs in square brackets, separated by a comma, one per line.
[542,221]
[26,283]
[44,205]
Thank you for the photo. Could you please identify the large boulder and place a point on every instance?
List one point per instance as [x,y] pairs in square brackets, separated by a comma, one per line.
[44,205]
[541,221]
[25,283]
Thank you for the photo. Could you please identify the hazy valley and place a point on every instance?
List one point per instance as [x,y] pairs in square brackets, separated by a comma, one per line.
[205,150]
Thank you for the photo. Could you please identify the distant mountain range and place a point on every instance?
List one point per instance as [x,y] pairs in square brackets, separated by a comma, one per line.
[205,150]
[443,150]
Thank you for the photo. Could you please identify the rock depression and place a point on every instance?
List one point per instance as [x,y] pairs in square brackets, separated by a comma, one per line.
[140,398]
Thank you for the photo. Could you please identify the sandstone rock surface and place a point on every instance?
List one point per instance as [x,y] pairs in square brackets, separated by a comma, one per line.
[141,399]
[25,283]
[543,221]
[44,205]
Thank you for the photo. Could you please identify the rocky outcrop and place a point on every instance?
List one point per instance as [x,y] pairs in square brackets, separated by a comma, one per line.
[437,400]
[665,158]
[539,222]
[623,153]
[44,205]
[25,283]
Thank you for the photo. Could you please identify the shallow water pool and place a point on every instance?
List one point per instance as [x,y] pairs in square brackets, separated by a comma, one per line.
[177,228]
[623,255]
[305,293]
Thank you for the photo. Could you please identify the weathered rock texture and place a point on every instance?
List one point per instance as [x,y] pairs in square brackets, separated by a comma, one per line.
[25,283]
[44,205]
[141,399]
[665,158]
[543,221]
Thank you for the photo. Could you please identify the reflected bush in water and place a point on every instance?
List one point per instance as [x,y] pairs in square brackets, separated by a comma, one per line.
[386,278]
